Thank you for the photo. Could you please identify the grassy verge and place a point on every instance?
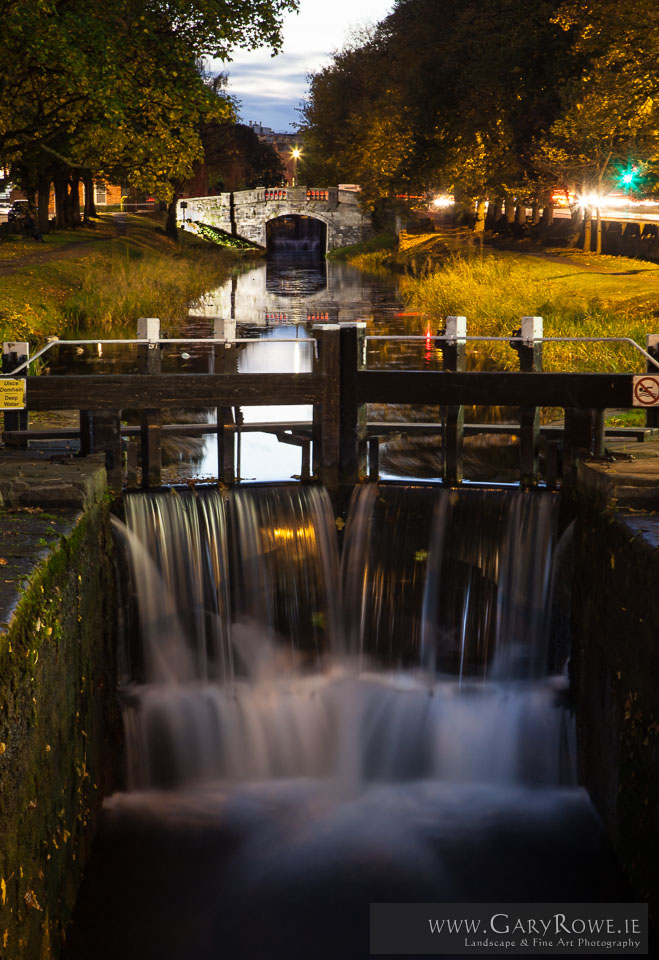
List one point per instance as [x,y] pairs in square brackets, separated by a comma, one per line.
[109,282]
[578,295]
[374,250]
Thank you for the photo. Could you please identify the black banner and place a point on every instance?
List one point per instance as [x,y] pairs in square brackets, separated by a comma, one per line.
[482,929]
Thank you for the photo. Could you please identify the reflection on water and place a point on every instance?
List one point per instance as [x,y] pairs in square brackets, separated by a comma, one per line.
[280,300]
[300,288]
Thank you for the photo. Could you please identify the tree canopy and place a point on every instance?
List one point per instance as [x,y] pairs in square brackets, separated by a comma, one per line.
[488,98]
[117,88]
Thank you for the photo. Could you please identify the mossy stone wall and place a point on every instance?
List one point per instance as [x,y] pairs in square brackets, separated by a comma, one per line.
[59,726]
[615,670]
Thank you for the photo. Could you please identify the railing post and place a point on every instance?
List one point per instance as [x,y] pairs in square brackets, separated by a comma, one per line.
[352,443]
[327,414]
[530,361]
[14,353]
[148,329]
[652,347]
[225,362]
[454,353]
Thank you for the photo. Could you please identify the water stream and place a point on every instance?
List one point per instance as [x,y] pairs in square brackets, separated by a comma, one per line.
[308,733]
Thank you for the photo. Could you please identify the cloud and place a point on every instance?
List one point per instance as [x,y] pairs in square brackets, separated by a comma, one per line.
[271,88]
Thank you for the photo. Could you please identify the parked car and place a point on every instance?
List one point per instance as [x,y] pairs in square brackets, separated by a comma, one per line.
[17,210]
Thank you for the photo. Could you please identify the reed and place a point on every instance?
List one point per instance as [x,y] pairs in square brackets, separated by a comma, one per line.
[619,298]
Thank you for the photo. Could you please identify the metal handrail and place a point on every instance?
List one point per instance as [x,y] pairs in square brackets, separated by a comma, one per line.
[152,344]
[524,340]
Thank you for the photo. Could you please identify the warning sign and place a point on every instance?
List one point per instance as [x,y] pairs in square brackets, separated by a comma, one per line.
[646,391]
[12,394]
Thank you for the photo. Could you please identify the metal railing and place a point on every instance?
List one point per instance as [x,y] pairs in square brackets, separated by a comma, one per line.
[151,344]
[453,339]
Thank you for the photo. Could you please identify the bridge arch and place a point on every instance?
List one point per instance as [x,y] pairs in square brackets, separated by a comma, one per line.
[300,232]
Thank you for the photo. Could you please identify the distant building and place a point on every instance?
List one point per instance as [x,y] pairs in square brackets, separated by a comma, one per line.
[284,144]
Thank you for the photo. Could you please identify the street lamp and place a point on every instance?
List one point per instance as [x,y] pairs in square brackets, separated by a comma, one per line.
[296,153]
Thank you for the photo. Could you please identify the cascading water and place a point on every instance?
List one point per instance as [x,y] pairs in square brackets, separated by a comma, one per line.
[296,754]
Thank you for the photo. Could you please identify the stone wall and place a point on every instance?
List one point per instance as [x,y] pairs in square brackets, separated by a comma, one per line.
[346,224]
[615,670]
[59,720]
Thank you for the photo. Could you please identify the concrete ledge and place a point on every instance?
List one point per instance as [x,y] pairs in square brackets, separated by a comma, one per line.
[620,483]
[76,483]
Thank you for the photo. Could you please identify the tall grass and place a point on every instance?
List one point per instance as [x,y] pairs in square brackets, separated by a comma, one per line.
[107,285]
[115,293]
[495,291]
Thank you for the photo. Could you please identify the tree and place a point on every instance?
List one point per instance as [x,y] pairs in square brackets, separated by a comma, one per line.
[115,88]
[610,109]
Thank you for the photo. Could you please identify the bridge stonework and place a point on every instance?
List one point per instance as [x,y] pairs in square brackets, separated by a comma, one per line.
[247,212]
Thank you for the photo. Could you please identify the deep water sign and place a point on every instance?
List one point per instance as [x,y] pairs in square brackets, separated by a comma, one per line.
[12,394]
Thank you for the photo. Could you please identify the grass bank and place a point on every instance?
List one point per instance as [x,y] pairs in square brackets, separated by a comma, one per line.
[576,294]
[103,278]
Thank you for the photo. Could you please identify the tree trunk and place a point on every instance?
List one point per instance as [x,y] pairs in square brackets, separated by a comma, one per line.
[598,232]
[61,184]
[74,201]
[493,212]
[479,223]
[170,226]
[535,213]
[587,229]
[520,214]
[548,214]
[509,210]
[43,221]
[90,206]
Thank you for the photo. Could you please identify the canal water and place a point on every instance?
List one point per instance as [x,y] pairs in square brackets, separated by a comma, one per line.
[310,730]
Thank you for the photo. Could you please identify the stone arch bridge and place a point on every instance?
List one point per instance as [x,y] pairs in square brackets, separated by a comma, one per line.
[266,216]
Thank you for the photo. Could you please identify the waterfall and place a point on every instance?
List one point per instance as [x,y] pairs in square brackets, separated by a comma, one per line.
[428,663]
[305,738]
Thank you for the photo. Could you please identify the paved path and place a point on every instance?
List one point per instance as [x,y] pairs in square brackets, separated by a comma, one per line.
[41,253]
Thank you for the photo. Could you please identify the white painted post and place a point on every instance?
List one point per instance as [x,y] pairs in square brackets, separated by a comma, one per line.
[532,330]
[148,328]
[456,329]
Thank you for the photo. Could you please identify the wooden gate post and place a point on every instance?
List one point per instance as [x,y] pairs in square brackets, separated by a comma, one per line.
[225,361]
[530,361]
[327,414]
[652,347]
[584,437]
[148,329]
[106,438]
[454,353]
[14,353]
[352,442]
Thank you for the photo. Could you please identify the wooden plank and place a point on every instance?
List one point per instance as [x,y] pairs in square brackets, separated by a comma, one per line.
[151,448]
[353,414]
[329,428]
[173,390]
[586,390]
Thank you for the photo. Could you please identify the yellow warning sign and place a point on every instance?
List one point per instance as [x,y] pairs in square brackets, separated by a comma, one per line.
[12,394]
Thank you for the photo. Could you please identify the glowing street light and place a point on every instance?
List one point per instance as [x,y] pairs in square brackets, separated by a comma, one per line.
[296,153]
